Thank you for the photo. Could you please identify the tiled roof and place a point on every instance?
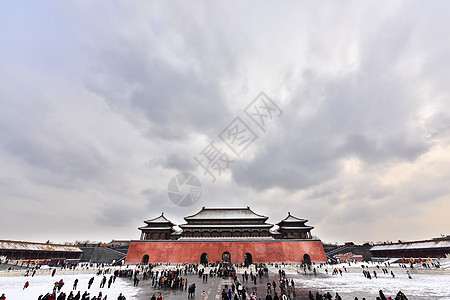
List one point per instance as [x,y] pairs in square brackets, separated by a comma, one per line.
[30,246]
[297,227]
[240,226]
[160,219]
[155,228]
[291,218]
[240,239]
[225,213]
[413,245]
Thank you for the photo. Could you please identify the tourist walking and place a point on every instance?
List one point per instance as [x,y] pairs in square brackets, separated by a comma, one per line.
[77,296]
[85,296]
[103,282]
[190,293]
[121,297]
[90,282]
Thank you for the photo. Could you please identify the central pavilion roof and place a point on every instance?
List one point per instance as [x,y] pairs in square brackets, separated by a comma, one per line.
[228,226]
[226,214]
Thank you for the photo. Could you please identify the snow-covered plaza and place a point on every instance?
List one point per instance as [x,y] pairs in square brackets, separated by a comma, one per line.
[12,286]
[424,283]
[350,285]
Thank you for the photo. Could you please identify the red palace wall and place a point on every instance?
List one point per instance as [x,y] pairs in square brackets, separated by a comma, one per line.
[190,251]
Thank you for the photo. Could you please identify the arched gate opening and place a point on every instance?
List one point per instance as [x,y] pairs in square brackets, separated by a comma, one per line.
[248,259]
[307,259]
[204,259]
[145,259]
[226,257]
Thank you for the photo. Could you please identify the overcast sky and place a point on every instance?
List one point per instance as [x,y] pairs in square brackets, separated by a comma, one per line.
[103,102]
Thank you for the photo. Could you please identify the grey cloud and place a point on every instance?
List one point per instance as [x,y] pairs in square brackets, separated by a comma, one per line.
[174,161]
[116,214]
[438,127]
[364,112]
[392,148]
[53,156]
[175,99]
[70,165]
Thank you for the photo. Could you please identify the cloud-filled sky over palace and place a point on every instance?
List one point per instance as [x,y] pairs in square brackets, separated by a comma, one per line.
[103,103]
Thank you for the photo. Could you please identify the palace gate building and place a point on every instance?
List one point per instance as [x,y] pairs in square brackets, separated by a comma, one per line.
[236,235]
[19,250]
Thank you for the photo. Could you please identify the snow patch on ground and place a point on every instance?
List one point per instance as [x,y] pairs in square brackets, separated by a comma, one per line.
[12,287]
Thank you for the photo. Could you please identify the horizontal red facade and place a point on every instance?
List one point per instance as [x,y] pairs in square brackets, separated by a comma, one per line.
[191,251]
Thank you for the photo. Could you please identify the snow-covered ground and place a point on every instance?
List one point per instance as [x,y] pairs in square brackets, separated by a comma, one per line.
[12,287]
[426,283]
[421,286]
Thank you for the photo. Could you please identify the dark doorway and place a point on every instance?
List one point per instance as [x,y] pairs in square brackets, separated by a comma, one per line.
[226,257]
[145,259]
[248,259]
[204,259]
[307,259]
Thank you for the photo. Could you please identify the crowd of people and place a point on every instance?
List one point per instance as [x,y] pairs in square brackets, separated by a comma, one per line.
[280,287]
[284,288]
[328,296]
